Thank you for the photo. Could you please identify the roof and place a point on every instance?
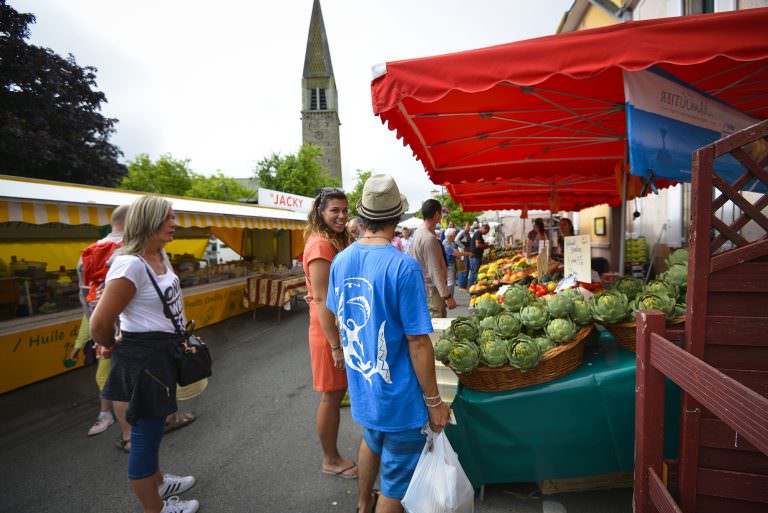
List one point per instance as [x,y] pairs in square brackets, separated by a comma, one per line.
[552,108]
[41,201]
[317,60]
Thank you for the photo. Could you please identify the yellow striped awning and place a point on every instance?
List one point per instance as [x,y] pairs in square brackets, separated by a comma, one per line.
[33,212]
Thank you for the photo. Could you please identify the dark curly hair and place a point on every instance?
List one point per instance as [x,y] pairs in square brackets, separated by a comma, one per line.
[315,223]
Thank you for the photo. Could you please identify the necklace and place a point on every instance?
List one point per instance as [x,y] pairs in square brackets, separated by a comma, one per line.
[376,237]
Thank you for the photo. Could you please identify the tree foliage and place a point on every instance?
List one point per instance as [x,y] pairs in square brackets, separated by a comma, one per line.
[50,124]
[174,177]
[357,193]
[456,212]
[299,173]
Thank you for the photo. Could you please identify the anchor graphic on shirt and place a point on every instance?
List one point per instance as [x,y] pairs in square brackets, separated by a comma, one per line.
[354,313]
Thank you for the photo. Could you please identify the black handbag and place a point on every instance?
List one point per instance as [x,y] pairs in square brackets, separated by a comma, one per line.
[192,357]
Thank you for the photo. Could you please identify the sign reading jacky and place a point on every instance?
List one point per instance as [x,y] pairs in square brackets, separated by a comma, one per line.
[277,199]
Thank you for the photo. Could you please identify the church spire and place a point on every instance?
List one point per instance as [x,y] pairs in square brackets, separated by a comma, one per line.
[317,60]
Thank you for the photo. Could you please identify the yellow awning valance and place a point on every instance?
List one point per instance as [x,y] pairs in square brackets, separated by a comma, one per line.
[224,221]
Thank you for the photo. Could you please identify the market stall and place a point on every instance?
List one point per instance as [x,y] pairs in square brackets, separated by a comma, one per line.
[43,227]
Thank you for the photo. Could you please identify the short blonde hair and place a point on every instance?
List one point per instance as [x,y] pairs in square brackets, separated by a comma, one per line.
[145,217]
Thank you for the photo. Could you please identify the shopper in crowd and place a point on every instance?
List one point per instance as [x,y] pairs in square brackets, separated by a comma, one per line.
[565,227]
[477,248]
[397,241]
[324,237]
[406,240]
[428,251]
[354,227]
[538,234]
[451,250]
[379,298]
[143,372]
[91,270]
[463,243]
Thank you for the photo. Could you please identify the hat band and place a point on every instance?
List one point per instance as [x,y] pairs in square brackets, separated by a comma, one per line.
[394,210]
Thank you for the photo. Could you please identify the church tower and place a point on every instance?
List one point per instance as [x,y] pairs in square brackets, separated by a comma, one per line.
[320,105]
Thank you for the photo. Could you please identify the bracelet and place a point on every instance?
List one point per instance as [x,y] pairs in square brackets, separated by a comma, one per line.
[430,398]
[434,405]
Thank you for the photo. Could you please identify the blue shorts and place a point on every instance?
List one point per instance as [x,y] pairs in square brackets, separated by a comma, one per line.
[399,453]
[143,459]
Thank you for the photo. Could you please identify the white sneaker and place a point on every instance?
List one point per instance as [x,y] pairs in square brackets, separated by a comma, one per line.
[101,424]
[176,505]
[174,485]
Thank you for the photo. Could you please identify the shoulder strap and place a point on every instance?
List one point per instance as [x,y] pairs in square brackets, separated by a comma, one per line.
[166,308]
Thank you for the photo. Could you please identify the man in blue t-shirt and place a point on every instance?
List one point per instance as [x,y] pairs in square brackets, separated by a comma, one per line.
[379,299]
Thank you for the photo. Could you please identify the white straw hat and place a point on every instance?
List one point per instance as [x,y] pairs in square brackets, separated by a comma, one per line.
[381,199]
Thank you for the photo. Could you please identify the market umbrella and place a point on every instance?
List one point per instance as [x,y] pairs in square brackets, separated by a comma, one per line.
[516,119]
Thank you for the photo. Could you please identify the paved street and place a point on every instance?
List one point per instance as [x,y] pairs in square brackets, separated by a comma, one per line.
[252,449]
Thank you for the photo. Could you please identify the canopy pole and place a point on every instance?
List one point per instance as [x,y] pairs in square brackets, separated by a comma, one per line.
[623,222]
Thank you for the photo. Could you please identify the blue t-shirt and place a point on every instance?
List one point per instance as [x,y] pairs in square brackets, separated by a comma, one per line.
[378,296]
[449,248]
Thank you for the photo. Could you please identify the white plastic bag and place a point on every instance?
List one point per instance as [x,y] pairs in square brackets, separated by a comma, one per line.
[439,484]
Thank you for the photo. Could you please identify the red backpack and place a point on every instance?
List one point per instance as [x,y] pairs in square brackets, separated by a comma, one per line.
[95,266]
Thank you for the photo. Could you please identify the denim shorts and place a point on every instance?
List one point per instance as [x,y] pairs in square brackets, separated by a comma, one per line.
[399,453]
[143,459]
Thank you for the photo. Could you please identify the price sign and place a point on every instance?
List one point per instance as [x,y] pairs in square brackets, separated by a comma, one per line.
[578,257]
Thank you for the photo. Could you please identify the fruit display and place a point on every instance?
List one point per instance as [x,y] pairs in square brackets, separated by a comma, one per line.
[499,272]
[637,251]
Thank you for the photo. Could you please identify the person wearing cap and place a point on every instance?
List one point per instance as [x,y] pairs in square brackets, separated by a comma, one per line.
[428,251]
[379,299]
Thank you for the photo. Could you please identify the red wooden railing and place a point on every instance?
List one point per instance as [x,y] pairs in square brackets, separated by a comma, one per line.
[741,408]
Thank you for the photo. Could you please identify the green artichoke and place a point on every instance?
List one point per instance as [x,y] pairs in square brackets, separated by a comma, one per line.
[582,315]
[442,347]
[464,356]
[660,287]
[561,330]
[609,306]
[534,315]
[560,306]
[544,343]
[680,309]
[627,285]
[652,301]
[679,256]
[677,275]
[487,307]
[463,328]
[508,325]
[493,352]
[516,297]
[573,293]
[523,353]
[488,323]
[486,334]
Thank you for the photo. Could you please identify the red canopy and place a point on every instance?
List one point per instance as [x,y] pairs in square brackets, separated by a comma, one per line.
[544,119]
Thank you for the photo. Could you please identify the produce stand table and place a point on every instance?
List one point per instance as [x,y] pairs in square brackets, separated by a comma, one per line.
[581,424]
[274,290]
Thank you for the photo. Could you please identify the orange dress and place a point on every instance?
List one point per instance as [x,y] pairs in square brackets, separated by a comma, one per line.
[325,377]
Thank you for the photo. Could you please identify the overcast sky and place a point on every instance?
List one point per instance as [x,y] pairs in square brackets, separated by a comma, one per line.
[220,82]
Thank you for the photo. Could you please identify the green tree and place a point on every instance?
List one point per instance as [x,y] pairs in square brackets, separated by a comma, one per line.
[357,193]
[218,187]
[164,176]
[300,174]
[50,124]
[456,212]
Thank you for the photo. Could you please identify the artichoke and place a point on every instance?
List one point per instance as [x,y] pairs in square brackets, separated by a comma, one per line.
[508,325]
[487,323]
[523,353]
[609,306]
[464,356]
[493,352]
[534,315]
[680,309]
[660,287]
[573,293]
[677,275]
[442,347]
[652,301]
[544,343]
[486,334]
[487,307]
[582,315]
[463,328]
[561,330]
[516,297]
[679,256]
[560,306]
[628,285]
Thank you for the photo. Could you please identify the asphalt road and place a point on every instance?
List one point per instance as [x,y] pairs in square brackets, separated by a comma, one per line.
[252,449]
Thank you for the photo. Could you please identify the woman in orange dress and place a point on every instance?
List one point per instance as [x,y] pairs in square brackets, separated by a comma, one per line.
[326,235]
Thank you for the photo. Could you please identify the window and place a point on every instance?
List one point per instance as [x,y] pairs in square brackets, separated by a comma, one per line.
[699,6]
[317,100]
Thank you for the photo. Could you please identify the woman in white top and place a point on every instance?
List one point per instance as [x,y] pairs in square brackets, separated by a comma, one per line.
[143,372]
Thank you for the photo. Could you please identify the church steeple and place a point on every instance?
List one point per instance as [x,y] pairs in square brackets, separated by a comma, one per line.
[319,113]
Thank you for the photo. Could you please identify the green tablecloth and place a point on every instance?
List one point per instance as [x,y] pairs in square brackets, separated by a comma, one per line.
[579,425]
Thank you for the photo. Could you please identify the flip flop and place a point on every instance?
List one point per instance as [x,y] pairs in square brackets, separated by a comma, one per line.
[123,445]
[179,421]
[341,473]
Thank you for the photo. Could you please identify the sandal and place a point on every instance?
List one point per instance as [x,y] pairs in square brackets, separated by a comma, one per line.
[123,445]
[342,473]
[179,420]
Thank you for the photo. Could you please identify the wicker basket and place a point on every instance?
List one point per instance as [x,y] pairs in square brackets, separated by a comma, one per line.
[555,363]
[626,332]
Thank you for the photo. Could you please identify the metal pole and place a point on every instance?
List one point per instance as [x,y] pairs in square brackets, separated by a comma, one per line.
[623,222]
